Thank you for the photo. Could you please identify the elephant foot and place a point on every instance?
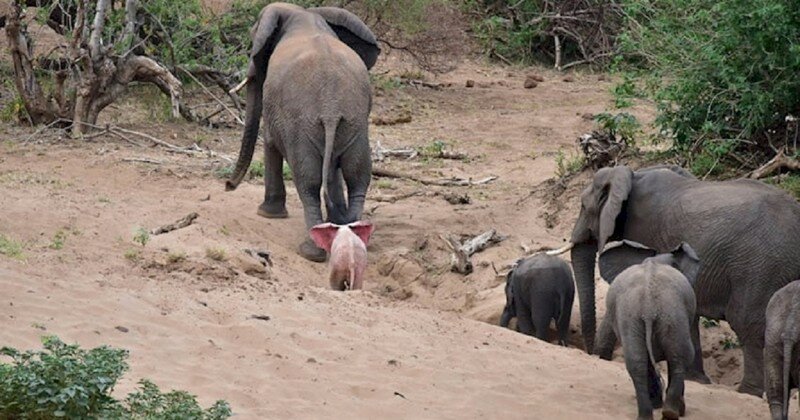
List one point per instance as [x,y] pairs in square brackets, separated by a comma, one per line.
[274,211]
[674,410]
[746,388]
[698,377]
[312,252]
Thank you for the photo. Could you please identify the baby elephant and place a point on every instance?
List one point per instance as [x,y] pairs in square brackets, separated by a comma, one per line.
[347,246]
[538,289]
[649,308]
[782,349]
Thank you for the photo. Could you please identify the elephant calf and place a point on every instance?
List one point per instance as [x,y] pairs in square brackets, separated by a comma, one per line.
[782,349]
[348,248]
[649,308]
[538,289]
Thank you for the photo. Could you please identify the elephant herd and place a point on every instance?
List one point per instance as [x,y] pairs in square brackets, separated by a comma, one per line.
[673,247]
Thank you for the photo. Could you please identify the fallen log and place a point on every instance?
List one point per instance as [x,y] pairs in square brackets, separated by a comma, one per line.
[182,223]
[778,162]
[448,182]
[461,252]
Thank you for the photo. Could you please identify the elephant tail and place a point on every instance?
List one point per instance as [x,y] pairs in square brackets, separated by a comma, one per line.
[648,336]
[330,126]
[787,367]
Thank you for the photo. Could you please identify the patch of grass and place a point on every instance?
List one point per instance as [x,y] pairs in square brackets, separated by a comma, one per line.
[59,239]
[224,230]
[790,183]
[287,172]
[66,381]
[141,236]
[708,323]
[384,184]
[133,254]
[10,248]
[103,199]
[256,169]
[176,257]
[383,82]
[433,149]
[14,110]
[156,103]
[224,171]
[729,343]
[568,165]
[216,254]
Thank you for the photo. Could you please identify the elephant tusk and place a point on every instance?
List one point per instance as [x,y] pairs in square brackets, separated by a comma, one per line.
[561,250]
[238,87]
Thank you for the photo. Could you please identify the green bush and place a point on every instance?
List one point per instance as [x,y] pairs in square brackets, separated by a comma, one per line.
[723,72]
[65,381]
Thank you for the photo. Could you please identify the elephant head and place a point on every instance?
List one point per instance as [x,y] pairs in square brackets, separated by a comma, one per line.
[618,256]
[601,219]
[509,311]
[282,20]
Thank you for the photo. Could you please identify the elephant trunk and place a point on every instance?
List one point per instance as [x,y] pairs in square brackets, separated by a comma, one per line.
[252,122]
[583,261]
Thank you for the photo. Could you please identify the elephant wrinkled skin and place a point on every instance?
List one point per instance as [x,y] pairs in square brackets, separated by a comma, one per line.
[782,349]
[746,233]
[308,73]
[649,308]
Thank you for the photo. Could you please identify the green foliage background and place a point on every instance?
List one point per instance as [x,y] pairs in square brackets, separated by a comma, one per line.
[66,381]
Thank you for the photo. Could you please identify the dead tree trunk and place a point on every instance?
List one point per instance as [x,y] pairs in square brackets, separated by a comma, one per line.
[94,77]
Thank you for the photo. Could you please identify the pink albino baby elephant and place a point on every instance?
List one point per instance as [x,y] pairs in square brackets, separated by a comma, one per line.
[347,246]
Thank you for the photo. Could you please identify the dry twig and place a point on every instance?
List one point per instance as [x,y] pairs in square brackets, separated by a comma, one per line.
[181,223]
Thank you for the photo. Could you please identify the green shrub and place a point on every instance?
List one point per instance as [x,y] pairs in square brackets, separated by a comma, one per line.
[720,69]
[621,125]
[65,381]
[569,165]
[141,236]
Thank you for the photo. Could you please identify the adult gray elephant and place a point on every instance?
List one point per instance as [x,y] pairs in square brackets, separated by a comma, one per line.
[746,233]
[308,74]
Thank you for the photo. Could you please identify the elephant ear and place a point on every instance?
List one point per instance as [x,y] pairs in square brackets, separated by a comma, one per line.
[265,34]
[619,255]
[352,31]
[685,260]
[612,187]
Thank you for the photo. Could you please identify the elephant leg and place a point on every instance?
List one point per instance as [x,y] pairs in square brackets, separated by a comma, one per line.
[751,337]
[338,212]
[773,379]
[541,316]
[274,205]
[524,323]
[606,338]
[654,390]
[696,371]
[308,180]
[637,362]
[675,407]
[356,165]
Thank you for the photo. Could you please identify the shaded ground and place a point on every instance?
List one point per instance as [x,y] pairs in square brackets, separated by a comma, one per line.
[187,298]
